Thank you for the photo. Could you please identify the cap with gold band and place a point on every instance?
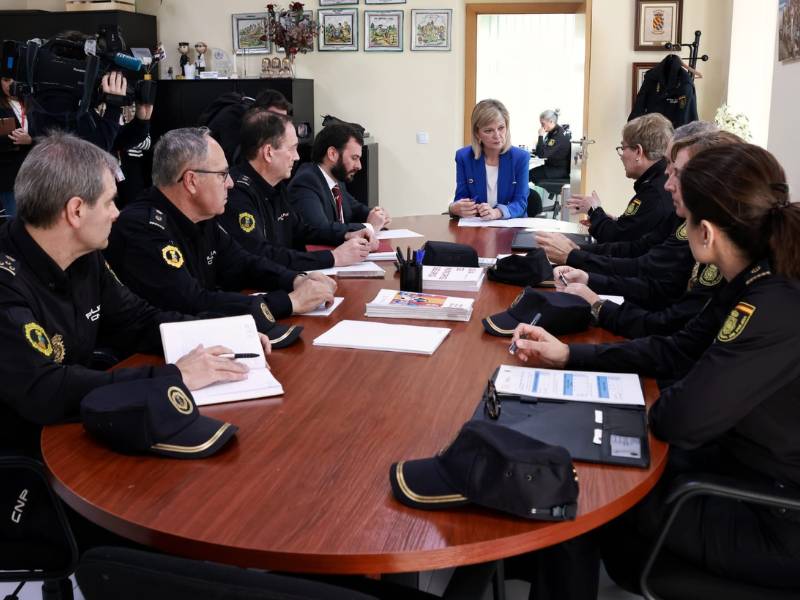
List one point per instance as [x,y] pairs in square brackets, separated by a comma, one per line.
[561,313]
[156,415]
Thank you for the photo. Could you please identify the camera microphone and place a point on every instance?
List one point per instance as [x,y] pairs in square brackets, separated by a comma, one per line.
[125,61]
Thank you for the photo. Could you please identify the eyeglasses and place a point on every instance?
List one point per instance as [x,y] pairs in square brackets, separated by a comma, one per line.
[621,149]
[223,174]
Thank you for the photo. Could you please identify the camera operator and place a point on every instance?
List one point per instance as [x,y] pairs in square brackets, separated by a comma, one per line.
[130,146]
[15,142]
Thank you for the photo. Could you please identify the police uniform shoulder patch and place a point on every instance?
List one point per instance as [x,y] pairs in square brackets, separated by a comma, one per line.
[247,222]
[736,322]
[633,207]
[172,256]
[37,338]
[179,400]
[267,312]
[8,264]
[680,232]
[157,219]
[710,276]
[551,142]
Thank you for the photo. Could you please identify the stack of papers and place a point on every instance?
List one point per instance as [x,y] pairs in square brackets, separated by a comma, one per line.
[237,333]
[391,255]
[391,234]
[416,305]
[366,335]
[461,279]
[366,269]
[532,223]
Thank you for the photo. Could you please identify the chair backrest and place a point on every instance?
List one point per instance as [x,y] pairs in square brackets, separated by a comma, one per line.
[36,542]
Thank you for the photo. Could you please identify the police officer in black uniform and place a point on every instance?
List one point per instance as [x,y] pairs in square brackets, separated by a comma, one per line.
[59,300]
[554,147]
[258,213]
[169,249]
[734,409]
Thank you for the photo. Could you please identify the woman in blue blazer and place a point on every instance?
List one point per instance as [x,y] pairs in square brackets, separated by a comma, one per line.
[491,174]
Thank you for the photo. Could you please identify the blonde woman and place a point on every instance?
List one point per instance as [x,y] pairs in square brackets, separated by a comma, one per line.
[491,174]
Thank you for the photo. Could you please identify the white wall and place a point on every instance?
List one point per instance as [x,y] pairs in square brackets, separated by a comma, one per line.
[610,82]
[753,42]
[783,128]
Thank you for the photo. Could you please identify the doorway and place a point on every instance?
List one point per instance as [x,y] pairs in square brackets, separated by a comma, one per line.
[532,57]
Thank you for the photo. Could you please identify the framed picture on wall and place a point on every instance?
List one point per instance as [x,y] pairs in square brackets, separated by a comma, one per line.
[384,1]
[308,15]
[336,2]
[383,30]
[338,29]
[657,23]
[788,30]
[639,70]
[430,29]
[248,31]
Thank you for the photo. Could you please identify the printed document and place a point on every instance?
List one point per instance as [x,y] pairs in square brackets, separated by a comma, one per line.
[370,335]
[580,386]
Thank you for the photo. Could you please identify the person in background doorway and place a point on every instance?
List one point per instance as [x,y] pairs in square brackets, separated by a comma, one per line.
[14,144]
[553,146]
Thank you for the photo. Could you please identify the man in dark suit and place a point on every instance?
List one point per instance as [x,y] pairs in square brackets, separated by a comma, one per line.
[317,191]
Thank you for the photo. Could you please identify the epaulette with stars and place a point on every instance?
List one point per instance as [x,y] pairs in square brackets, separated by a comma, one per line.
[157,219]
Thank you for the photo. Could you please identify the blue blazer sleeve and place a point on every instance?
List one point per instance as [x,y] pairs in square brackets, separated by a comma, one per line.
[465,174]
[512,187]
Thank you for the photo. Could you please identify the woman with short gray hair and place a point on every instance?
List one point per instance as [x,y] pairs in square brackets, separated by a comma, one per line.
[554,147]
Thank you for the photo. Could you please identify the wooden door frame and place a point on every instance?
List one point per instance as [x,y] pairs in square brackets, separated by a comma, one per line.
[526,8]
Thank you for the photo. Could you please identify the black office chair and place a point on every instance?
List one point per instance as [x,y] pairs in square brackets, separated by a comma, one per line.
[674,578]
[128,574]
[36,542]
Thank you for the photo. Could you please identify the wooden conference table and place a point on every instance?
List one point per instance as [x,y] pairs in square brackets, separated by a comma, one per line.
[305,485]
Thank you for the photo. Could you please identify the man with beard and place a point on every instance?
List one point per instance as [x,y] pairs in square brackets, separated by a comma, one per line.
[258,214]
[317,191]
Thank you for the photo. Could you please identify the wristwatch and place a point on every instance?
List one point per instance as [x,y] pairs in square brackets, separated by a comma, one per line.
[595,311]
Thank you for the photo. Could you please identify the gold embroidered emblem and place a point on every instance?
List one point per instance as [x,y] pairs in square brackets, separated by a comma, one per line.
[680,233]
[37,338]
[710,276]
[551,142]
[180,400]
[736,322]
[172,256]
[267,313]
[247,222]
[58,348]
[517,299]
[633,207]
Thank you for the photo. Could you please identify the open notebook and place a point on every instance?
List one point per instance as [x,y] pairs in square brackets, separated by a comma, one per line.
[237,333]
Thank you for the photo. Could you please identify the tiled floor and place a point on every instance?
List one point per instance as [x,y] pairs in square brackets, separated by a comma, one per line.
[434,582]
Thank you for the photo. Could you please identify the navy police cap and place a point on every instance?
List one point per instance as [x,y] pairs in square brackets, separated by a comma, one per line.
[561,313]
[155,415]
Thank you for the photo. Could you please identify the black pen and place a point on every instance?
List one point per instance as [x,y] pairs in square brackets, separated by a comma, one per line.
[239,355]
[400,256]
[563,279]
[512,349]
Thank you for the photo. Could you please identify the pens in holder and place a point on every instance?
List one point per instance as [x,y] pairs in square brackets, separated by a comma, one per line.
[563,279]
[512,349]
[400,260]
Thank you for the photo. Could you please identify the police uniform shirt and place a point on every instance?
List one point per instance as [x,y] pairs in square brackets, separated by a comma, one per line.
[555,149]
[632,321]
[650,205]
[654,280]
[50,323]
[261,219]
[193,267]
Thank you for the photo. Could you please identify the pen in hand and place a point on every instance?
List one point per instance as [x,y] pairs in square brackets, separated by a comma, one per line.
[238,355]
[512,349]
[563,279]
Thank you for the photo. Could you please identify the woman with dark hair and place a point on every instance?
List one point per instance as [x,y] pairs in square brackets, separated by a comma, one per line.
[734,410]
[14,144]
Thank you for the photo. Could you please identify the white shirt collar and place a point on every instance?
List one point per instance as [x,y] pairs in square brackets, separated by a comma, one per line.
[331,181]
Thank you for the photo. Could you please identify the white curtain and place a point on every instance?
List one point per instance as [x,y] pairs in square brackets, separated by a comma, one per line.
[531,63]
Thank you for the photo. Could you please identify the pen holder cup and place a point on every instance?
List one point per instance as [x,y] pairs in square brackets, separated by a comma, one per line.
[411,278]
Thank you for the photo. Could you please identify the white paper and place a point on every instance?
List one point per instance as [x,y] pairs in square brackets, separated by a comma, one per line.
[237,333]
[580,386]
[362,267]
[323,311]
[614,299]
[529,223]
[390,234]
[382,256]
[371,335]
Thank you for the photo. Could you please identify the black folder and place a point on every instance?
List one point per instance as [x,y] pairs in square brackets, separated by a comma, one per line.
[578,426]
[526,240]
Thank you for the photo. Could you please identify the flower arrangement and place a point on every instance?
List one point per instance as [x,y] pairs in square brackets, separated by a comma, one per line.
[732,122]
[291,29]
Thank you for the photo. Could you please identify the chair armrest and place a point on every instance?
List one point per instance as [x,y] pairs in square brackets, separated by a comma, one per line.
[714,486]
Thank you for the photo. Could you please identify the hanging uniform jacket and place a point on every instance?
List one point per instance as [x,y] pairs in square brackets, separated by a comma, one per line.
[667,89]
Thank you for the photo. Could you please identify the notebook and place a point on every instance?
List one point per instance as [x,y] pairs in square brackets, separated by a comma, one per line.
[526,240]
[237,333]
[369,335]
